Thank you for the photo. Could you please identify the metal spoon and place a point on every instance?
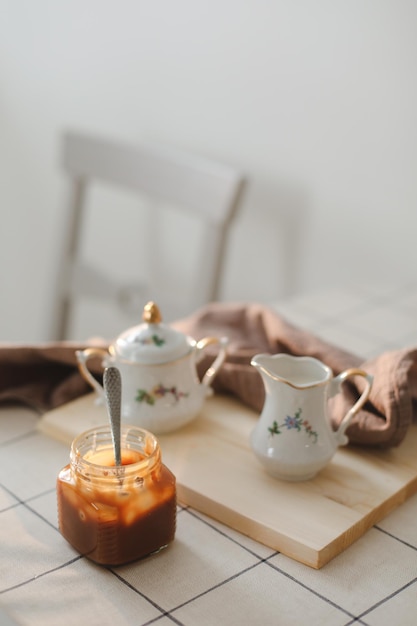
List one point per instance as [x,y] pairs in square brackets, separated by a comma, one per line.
[113,391]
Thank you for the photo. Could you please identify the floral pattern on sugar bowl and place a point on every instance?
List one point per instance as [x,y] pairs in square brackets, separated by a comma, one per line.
[155,340]
[161,390]
[150,397]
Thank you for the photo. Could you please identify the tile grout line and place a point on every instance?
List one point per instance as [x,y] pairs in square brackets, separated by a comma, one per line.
[167,613]
[224,534]
[206,591]
[37,576]
[17,438]
[313,591]
[138,592]
[389,597]
[405,543]
[25,504]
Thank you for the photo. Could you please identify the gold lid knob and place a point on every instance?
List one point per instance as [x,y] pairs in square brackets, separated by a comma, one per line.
[151,313]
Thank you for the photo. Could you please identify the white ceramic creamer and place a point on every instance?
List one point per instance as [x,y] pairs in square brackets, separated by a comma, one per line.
[293,437]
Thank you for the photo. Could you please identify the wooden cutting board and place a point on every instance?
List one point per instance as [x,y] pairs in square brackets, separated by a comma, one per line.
[218,474]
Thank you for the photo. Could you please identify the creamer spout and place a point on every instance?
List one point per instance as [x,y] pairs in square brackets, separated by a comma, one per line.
[261,362]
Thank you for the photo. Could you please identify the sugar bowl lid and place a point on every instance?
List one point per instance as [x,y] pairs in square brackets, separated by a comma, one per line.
[151,342]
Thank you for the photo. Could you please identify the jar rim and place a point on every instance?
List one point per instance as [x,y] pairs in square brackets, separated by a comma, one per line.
[100,438]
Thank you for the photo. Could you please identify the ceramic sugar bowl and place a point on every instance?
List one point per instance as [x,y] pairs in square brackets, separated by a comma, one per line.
[161,390]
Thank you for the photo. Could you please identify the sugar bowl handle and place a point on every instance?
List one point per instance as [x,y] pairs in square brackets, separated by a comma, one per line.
[83,356]
[214,368]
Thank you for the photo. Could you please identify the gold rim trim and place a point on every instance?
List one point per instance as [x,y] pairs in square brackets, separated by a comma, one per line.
[317,383]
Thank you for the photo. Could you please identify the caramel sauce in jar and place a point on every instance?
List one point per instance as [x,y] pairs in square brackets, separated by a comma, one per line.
[115,515]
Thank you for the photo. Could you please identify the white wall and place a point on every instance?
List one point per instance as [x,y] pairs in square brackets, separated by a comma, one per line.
[315,100]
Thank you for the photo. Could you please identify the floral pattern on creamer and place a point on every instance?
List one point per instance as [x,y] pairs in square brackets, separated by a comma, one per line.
[295,422]
[159,391]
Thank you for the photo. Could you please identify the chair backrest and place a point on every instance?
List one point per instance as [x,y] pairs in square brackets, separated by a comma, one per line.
[193,185]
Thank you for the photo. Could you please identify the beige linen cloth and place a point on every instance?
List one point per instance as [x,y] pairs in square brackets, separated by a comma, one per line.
[46,376]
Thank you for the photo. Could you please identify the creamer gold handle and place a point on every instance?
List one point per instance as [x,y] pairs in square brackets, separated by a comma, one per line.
[214,368]
[337,382]
[83,356]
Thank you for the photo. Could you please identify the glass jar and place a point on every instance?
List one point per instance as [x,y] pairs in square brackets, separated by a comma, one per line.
[114,515]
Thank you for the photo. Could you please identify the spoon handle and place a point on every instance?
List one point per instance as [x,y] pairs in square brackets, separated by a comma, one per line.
[112,388]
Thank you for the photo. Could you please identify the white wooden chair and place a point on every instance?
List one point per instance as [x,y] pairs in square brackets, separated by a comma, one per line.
[208,190]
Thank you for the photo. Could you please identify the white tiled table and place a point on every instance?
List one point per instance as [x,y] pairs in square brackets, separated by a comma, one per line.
[210,574]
